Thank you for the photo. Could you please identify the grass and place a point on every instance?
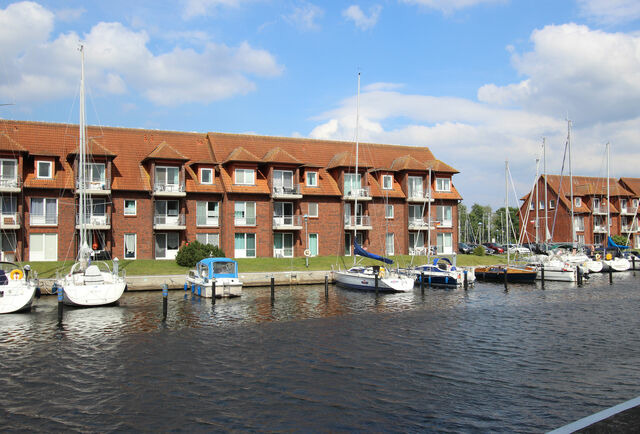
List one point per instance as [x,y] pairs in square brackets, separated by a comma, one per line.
[142,267]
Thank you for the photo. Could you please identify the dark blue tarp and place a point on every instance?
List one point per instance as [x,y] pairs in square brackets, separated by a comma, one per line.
[610,243]
[361,252]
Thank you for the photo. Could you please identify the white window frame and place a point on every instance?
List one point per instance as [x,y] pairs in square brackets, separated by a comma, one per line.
[241,206]
[284,252]
[634,203]
[43,257]
[135,245]
[211,217]
[541,204]
[168,186]
[444,247]
[169,253]
[202,172]
[441,215]
[312,179]
[415,186]
[387,179]
[577,201]
[242,253]
[389,248]
[135,207]
[39,174]
[207,237]
[245,177]
[552,204]
[388,211]
[443,184]
[5,180]
[37,220]
[312,210]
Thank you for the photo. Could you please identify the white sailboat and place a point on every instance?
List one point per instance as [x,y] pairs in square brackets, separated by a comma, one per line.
[369,278]
[17,288]
[88,284]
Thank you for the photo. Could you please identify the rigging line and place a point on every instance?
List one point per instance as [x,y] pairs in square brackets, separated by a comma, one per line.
[555,214]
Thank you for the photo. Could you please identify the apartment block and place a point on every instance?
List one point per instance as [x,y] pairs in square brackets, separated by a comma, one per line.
[152,191]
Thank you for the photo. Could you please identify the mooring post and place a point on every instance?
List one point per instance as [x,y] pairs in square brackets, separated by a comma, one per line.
[186,287]
[429,280]
[199,290]
[422,282]
[466,279]
[542,275]
[193,288]
[580,276]
[633,264]
[505,277]
[610,275]
[213,291]
[60,292]
[376,280]
[165,300]
[273,289]
[326,286]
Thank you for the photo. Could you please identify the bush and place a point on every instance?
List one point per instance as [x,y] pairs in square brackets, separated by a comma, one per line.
[619,240]
[479,251]
[191,253]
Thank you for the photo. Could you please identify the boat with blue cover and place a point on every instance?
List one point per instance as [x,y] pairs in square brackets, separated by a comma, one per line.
[442,272]
[221,271]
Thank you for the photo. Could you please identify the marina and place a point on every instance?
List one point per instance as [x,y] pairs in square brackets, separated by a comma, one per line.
[521,360]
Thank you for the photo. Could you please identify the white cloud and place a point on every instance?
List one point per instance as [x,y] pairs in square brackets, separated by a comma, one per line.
[118,60]
[362,21]
[304,16]
[449,6]
[69,15]
[610,11]
[195,8]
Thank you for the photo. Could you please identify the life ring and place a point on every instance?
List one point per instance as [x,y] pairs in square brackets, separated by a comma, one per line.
[381,273]
[597,256]
[16,274]
[307,252]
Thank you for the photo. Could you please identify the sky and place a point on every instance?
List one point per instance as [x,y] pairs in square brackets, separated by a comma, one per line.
[479,82]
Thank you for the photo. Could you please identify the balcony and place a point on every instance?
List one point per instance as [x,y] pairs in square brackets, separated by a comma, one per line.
[207,222]
[359,222]
[291,222]
[95,222]
[626,211]
[10,221]
[163,222]
[10,185]
[281,192]
[357,193]
[244,221]
[416,224]
[630,228]
[599,210]
[169,190]
[43,220]
[94,188]
[419,196]
[600,229]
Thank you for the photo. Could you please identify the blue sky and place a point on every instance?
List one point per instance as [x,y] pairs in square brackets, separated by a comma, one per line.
[478,81]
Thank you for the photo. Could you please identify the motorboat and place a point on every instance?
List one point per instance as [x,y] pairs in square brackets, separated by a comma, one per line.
[221,272]
[18,286]
[513,273]
[442,272]
[363,278]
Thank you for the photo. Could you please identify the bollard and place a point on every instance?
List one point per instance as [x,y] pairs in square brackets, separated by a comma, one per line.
[199,290]
[466,279]
[580,276]
[165,300]
[60,291]
[326,286]
[505,278]
[376,284]
[542,275]
[446,280]
[422,282]
[213,292]
[633,264]
[193,288]
[273,289]
[186,287]
[610,275]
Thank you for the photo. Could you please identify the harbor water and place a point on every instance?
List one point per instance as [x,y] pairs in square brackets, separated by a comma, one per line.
[522,360]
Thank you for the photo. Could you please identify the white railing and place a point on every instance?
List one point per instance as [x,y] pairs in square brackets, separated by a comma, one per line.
[43,220]
[207,221]
[93,185]
[279,190]
[287,221]
[10,182]
[599,228]
[630,228]
[599,210]
[357,221]
[95,220]
[360,193]
[169,220]
[418,195]
[169,188]
[244,221]
[12,219]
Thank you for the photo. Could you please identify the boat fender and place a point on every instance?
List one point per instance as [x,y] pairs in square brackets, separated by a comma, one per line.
[597,256]
[16,274]
[381,273]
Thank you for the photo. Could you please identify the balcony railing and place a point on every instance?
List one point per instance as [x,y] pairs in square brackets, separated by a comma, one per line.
[357,222]
[10,221]
[600,210]
[418,196]
[95,220]
[630,228]
[244,221]
[43,220]
[421,223]
[169,221]
[600,228]
[169,189]
[207,221]
[363,193]
[94,186]
[287,222]
[286,192]
[10,183]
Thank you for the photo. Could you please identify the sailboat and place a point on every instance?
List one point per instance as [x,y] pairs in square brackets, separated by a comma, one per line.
[17,287]
[376,277]
[87,283]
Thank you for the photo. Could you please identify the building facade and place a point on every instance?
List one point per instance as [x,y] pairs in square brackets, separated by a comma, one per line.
[253,196]
[550,220]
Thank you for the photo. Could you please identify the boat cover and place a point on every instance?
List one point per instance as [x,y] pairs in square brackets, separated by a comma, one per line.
[611,243]
[361,252]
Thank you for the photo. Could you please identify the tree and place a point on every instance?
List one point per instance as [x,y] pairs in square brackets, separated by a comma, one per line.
[478,221]
[499,224]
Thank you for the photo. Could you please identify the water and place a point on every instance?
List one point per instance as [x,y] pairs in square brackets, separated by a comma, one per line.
[526,360]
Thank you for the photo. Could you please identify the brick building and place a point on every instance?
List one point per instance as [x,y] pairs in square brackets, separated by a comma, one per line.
[589,209]
[254,196]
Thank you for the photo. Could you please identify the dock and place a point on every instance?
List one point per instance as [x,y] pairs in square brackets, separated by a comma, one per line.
[621,418]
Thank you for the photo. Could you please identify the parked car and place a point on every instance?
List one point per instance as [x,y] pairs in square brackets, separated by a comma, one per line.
[487,251]
[497,248]
[517,249]
[465,248]
[538,249]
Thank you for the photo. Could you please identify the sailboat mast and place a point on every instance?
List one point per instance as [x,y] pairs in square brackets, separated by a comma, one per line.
[81,160]
[546,202]
[537,201]
[355,203]
[428,218]
[573,229]
[506,205]
[608,198]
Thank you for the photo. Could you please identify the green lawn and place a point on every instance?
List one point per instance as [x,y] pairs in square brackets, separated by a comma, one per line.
[143,267]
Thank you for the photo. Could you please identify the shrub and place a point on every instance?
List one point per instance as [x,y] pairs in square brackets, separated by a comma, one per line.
[619,240]
[479,251]
[191,253]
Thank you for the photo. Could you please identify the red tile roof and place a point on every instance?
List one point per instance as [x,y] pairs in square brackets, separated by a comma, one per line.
[8,144]
[279,155]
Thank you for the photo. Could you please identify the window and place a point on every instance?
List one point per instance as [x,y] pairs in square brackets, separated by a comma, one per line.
[207,213]
[313,244]
[43,247]
[348,242]
[206,176]
[635,204]
[552,204]
[416,243]
[167,179]
[245,246]
[416,213]
[389,241]
[541,204]
[313,209]
[8,246]
[8,173]
[387,182]
[213,239]
[443,184]
[245,176]
[352,184]
[578,223]
[578,201]
[167,245]
[532,205]
[96,213]
[445,243]
[415,187]
[129,207]
[283,213]
[623,205]
[130,246]
[283,182]
[312,179]
[168,213]
[282,245]
[8,209]
[245,213]
[44,169]
[95,176]
[444,216]
[388,211]
[44,211]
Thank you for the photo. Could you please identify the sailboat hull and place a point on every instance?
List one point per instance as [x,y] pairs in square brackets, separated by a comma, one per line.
[16,298]
[366,282]
[616,264]
[79,291]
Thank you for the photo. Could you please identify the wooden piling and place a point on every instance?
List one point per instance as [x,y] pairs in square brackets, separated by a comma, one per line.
[165,301]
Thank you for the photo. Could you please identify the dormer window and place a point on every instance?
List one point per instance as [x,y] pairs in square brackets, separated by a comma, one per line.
[206,176]
[578,201]
[44,169]
[245,176]
[443,184]
[552,204]
[387,182]
[8,172]
[312,179]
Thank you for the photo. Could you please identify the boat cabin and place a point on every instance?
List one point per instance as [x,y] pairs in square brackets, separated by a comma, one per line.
[211,268]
